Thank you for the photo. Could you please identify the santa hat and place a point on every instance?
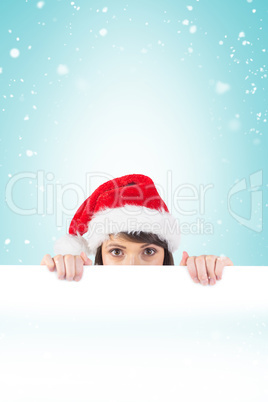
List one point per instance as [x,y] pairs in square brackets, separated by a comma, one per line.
[129,203]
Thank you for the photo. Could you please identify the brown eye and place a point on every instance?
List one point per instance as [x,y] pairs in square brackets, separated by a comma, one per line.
[152,251]
[117,250]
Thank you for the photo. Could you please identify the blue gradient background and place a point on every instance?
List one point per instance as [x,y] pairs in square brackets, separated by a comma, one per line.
[141,99]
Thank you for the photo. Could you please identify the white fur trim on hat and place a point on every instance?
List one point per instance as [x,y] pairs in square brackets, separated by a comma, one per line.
[130,218]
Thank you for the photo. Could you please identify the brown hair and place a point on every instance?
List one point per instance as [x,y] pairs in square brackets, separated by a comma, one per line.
[140,237]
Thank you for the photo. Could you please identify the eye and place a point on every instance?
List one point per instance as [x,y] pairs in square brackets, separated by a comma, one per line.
[152,251]
[115,249]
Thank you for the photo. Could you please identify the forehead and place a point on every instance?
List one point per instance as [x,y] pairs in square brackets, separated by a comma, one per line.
[120,240]
[117,238]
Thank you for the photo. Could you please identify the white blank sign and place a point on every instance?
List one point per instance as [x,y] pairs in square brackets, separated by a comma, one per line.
[133,334]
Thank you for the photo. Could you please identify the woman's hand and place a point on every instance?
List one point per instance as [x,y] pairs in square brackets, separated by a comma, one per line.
[69,266]
[205,269]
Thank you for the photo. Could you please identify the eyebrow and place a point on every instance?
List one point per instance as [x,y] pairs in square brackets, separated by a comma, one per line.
[118,245]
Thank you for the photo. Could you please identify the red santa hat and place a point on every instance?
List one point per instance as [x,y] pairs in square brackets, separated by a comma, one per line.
[129,203]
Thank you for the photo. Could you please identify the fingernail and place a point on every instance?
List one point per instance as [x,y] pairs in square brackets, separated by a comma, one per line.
[218,277]
[204,282]
[76,278]
[212,281]
[196,280]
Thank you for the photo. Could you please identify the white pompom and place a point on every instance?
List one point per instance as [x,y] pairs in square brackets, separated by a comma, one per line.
[70,244]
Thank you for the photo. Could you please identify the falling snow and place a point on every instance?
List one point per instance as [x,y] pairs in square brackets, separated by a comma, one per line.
[62,69]
[14,53]
[30,153]
[103,32]
[193,29]
[222,87]
[40,4]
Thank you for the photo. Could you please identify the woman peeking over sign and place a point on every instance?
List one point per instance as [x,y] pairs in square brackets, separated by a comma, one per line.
[126,222]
